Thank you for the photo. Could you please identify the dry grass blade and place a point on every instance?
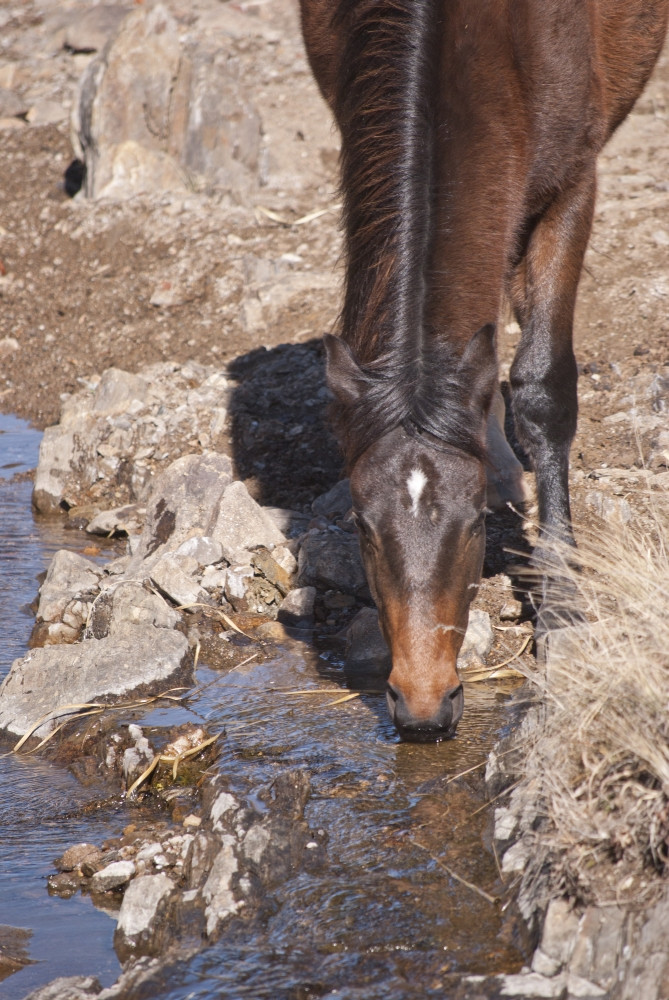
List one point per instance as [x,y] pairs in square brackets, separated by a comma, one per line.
[54,713]
[498,671]
[175,760]
[285,220]
[214,611]
[340,701]
[144,775]
[458,878]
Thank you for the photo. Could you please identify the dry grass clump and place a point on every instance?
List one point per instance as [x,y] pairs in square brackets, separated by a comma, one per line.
[599,748]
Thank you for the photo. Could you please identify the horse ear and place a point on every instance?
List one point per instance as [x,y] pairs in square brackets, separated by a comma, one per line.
[479,366]
[344,375]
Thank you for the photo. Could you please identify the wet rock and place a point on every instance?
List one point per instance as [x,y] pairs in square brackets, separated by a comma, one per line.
[113,876]
[297,608]
[330,560]
[64,884]
[68,988]
[242,524]
[135,658]
[75,856]
[127,603]
[218,891]
[14,943]
[141,928]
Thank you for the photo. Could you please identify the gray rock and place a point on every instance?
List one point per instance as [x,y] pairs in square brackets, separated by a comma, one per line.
[11,105]
[173,576]
[330,560]
[69,576]
[297,608]
[184,503]
[113,876]
[218,891]
[68,988]
[242,524]
[128,519]
[128,603]
[558,937]
[335,503]
[292,523]
[141,919]
[478,640]
[205,551]
[45,679]
[237,582]
[92,28]
[214,578]
[609,508]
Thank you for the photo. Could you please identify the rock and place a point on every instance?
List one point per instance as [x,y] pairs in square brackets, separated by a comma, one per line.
[275,574]
[242,524]
[172,576]
[184,503]
[219,890]
[367,661]
[290,522]
[335,503]
[330,560]
[135,658]
[127,520]
[8,346]
[11,106]
[141,921]
[92,28]
[67,988]
[297,608]
[609,508]
[75,856]
[69,576]
[237,582]
[478,640]
[128,603]
[113,876]
[46,112]
[285,558]
[205,551]
[557,940]
[214,579]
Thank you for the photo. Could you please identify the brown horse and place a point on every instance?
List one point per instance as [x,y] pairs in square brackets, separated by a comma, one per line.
[470,132]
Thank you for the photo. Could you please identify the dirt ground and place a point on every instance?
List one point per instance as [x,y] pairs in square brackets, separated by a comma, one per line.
[81,281]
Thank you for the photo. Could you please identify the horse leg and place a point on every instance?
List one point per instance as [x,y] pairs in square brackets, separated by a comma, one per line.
[543,375]
[504,471]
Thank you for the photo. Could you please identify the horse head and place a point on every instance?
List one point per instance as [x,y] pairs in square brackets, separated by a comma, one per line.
[419,505]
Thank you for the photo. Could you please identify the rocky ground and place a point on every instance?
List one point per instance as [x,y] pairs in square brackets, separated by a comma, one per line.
[170,310]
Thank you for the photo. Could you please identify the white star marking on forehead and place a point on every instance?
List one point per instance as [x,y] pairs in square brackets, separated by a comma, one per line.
[416,483]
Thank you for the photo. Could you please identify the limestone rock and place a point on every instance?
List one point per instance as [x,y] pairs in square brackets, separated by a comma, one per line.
[111,668]
[112,876]
[297,608]
[69,575]
[242,524]
[142,916]
[128,602]
[92,28]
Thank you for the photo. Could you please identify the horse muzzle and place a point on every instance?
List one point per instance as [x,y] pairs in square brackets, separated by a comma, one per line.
[441,725]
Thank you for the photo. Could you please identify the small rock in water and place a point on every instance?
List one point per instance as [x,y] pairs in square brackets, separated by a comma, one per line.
[74,857]
[114,876]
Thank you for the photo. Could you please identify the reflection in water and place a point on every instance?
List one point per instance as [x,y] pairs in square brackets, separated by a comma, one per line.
[383,915]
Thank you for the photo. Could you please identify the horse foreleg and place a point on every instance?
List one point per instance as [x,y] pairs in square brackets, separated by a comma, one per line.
[543,375]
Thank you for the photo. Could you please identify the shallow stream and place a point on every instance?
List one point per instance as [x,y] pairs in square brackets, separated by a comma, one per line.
[410,894]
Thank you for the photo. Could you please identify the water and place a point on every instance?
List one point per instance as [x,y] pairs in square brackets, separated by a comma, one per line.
[387,915]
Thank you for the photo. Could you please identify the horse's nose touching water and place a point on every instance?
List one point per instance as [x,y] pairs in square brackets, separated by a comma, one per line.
[470,134]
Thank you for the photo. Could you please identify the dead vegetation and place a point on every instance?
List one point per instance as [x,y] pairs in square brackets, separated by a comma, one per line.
[597,747]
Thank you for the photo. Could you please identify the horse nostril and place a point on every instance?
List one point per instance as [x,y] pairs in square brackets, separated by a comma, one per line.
[438,726]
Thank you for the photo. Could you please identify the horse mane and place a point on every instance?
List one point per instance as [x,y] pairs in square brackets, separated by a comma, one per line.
[386,113]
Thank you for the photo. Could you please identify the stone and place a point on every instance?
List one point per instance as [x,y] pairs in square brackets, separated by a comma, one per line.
[92,28]
[367,661]
[285,558]
[69,575]
[335,503]
[478,640]
[214,579]
[206,551]
[330,560]
[127,520]
[532,985]
[184,503]
[242,524]
[171,575]
[297,607]
[113,876]
[11,106]
[74,856]
[218,891]
[142,916]
[237,582]
[609,508]
[46,112]
[133,659]
[275,574]
[67,988]
[126,603]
